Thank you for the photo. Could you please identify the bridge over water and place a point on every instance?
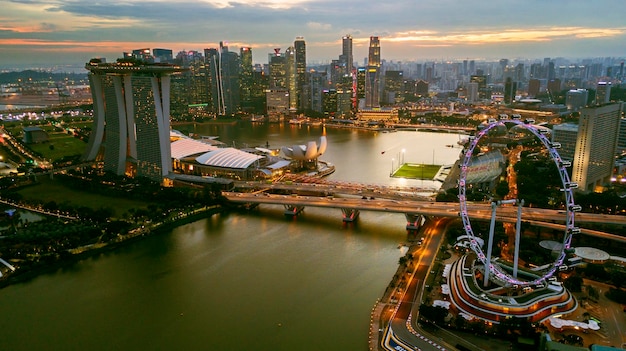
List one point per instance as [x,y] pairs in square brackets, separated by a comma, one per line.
[354,199]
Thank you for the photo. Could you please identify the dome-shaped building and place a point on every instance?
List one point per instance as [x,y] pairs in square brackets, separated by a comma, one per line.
[309,152]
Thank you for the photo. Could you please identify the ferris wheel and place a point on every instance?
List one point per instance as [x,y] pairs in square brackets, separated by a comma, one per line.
[493,270]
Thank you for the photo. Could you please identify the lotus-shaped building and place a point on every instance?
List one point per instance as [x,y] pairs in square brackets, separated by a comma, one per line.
[308,152]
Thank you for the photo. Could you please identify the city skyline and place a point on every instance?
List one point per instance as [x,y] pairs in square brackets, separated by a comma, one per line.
[63,31]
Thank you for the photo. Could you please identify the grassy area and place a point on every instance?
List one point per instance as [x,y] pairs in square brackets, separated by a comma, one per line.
[52,190]
[416,171]
[59,145]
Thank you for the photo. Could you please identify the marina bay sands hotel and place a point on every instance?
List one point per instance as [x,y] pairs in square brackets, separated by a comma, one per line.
[131,106]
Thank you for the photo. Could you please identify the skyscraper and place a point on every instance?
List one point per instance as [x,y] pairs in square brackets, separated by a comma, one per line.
[230,80]
[576,98]
[603,92]
[212,57]
[533,87]
[372,79]
[300,47]
[290,55]
[346,53]
[373,59]
[277,70]
[510,89]
[596,145]
[224,79]
[246,77]
[131,117]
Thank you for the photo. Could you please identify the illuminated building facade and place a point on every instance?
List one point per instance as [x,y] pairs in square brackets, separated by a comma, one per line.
[372,75]
[224,80]
[346,58]
[290,55]
[246,77]
[300,47]
[131,118]
[603,92]
[596,145]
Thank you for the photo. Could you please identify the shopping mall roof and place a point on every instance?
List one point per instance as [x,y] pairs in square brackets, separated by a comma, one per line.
[228,158]
[186,147]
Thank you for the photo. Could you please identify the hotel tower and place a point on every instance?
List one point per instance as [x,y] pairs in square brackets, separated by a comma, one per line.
[131,127]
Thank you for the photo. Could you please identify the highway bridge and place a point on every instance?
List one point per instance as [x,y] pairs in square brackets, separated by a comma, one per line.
[417,205]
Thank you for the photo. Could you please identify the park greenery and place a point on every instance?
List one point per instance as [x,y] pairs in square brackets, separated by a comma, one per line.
[106,209]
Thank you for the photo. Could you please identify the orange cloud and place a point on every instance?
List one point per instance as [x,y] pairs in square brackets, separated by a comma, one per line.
[509,35]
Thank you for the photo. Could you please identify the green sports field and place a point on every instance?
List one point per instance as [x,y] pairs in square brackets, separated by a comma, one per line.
[416,171]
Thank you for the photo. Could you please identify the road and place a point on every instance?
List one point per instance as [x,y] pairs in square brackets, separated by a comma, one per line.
[402,331]
[553,219]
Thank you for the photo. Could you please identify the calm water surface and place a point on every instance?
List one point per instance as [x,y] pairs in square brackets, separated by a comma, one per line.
[255,281]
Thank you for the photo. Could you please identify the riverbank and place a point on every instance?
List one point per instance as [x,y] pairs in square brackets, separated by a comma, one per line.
[74,255]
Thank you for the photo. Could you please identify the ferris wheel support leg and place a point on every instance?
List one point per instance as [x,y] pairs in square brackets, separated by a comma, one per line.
[492,225]
[518,226]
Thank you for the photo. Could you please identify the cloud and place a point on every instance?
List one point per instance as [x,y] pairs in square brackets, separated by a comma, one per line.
[319,26]
[432,26]
[509,35]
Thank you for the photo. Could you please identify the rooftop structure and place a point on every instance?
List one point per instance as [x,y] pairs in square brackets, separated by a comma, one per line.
[131,117]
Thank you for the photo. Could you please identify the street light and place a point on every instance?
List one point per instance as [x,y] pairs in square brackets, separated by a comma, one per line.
[402,161]
[391,173]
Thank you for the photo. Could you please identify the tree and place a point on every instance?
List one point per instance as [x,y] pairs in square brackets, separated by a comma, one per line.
[574,283]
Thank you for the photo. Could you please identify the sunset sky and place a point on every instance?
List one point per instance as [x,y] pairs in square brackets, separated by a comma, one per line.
[73,31]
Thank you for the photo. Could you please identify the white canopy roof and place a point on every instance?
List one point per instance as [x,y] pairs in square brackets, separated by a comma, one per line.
[228,158]
[186,147]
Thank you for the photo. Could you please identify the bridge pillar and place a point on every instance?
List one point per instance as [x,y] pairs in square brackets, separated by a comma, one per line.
[349,214]
[293,211]
[414,221]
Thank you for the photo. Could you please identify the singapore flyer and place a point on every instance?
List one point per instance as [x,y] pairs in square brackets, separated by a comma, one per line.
[492,270]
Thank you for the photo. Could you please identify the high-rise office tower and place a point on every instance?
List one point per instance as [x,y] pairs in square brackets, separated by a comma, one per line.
[213,61]
[230,80]
[246,77]
[419,71]
[551,73]
[300,47]
[472,92]
[329,103]
[372,80]
[510,89]
[576,98]
[290,55]
[373,59]
[190,89]
[318,81]
[278,70]
[394,87]
[534,86]
[554,87]
[360,84]
[503,64]
[596,144]
[482,85]
[131,118]
[346,53]
[603,92]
